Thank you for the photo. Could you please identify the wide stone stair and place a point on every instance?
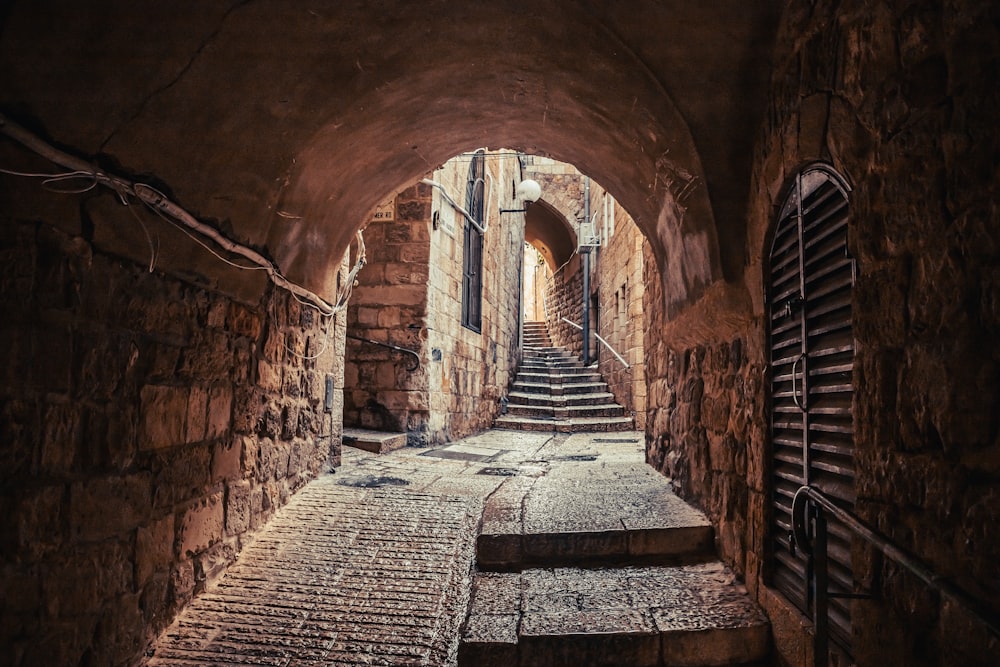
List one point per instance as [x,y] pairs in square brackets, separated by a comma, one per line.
[553,391]
[594,562]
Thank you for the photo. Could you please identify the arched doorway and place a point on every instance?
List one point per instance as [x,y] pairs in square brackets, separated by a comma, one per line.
[811,276]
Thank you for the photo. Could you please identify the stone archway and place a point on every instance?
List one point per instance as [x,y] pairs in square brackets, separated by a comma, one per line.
[291,136]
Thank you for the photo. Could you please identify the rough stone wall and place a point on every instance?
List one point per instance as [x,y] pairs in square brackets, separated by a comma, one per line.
[387,390]
[705,424]
[563,298]
[903,101]
[469,372]
[147,427]
[620,283]
[900,99]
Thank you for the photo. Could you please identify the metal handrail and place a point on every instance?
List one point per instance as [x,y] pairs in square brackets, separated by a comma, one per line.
[802,536]
[397,348]
[606,344]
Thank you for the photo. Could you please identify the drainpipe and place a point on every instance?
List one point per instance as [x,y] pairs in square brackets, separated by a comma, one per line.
[585,254]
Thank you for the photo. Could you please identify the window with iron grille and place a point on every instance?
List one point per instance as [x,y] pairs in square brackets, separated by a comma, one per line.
[811,277]
[472,249]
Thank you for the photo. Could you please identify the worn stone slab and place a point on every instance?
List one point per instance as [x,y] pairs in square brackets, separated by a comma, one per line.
[593,503]
[376,576]
[377,442]
[682,615]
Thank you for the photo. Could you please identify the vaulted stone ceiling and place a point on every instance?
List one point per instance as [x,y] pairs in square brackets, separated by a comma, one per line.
[289,122]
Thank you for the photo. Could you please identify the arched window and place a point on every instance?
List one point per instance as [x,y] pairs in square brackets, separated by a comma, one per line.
[472,248]
[810,280]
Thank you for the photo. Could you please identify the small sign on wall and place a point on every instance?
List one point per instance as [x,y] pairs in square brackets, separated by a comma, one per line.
[446,222]
[386,211]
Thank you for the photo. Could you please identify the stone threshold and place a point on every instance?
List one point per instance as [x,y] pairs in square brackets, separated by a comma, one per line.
[377,442]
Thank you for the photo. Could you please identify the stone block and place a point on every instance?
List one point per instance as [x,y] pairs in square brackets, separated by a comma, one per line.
[181,474]
[164,416]
[499,552]
[257,508]
[415,252]
[182,581]
[490,640]
[51,362]
[227,460]
[154,548]
[396,295]
[106,506]
[196,414]
[220,411]
[39,520]
[274,346]
[60,437]
[201,525]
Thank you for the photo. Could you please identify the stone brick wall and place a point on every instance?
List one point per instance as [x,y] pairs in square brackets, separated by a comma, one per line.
[387,390]
[617,282]
[147,427]
[705,424]
[469,372]
[620,283]
[902,101]
[563,298]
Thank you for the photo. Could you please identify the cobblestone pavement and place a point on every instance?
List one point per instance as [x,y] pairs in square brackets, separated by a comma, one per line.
[366,566]
[371,565]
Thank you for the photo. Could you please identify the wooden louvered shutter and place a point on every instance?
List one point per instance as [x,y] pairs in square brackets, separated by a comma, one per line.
[812,359]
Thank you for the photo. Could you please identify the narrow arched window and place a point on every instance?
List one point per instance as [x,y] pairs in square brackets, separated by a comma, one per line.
[472,248]
[810,279]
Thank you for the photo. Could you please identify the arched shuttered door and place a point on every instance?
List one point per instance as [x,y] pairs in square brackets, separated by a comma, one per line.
[812,359]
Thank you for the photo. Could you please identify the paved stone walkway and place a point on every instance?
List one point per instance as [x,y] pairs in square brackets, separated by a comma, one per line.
[373,565]
[366,566]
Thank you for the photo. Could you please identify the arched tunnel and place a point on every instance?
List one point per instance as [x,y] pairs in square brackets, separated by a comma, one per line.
[140,370]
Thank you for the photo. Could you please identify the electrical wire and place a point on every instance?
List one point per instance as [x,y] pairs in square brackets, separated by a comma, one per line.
[48,179]
[153,250]
[169,211]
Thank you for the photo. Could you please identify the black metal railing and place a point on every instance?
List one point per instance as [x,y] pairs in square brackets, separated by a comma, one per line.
[397,348]
[809,533]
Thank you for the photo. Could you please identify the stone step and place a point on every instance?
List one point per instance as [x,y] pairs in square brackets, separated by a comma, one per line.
[559,389]
[548,352]
[566,411]
[544,389]
[596,562]
[537,341]
[578,425]
[583,387]
[550,358]
[571,362]
[524,398]
[558,376]
[378,442]
[693,615]
[575,375]
[592,505]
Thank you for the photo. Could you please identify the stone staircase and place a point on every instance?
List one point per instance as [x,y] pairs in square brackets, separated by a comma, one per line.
[554,392]
[594,562]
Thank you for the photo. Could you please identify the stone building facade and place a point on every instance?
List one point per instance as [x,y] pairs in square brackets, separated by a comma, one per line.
[410,296]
